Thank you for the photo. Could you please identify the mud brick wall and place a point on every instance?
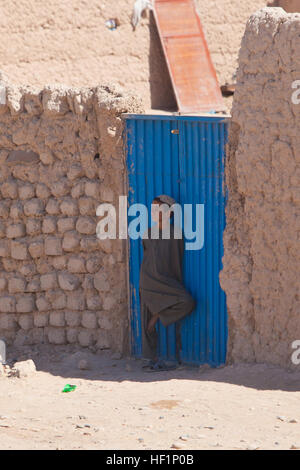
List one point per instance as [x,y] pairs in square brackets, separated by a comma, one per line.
[261,260]
[42,43]
[61,155]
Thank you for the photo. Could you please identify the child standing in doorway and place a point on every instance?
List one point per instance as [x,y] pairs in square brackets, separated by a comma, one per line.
[162,293]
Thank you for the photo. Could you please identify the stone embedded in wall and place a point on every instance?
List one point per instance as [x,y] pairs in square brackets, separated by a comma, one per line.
[4,209]
[26,191]
[106,194]
[22,156]
[76,171]
[33,285]
[58,299]
[10,265]
[94,263]
[48,281]
[40,320]
[106,245]
[18,250]
[16,284]
[69,207]
[43,305]
[103,339]
[53,246]
[47,158]
[9,190]
[33,226]
[86,225]
[60,188]
[89,320]
[76,264]
[92,189]
[25,304]
[36,249]
[89,244]
[77,190]
[57,319]
[59,263]
[2,230]
[56,335]
[73,318]
[33,103]
[100,281]
[109,302]
[72,335]
[15,231]
[88,282]
[71,241]
[86,338]
[26,321]
[55,100]
[105,322]
[87,206]
[27,269]
[42,265]
[94,302]
[33,207]
[42,191]
[7,321]
[68,281]
[3,283]
[53,207]
[76,300]
[49,225]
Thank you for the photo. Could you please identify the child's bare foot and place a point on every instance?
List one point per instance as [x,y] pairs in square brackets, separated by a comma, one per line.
[152,323]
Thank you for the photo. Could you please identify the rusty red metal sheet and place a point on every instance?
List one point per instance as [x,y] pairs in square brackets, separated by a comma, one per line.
[190,66]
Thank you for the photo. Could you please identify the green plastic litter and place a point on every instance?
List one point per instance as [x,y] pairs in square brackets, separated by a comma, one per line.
[68,388]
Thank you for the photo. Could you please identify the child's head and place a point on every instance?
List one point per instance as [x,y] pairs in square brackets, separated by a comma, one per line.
[161,208]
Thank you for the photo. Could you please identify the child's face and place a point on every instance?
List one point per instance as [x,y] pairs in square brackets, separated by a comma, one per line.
[154,211]
[156,215]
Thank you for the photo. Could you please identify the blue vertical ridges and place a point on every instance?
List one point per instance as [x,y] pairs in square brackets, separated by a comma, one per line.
[189,166]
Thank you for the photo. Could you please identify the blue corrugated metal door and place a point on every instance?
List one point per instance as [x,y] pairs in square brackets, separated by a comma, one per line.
[183,157]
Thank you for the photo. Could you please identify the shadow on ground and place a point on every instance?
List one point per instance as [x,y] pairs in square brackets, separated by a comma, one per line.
[64,361]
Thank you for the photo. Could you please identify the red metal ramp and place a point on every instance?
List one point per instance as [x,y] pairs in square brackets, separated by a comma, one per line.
[192,72]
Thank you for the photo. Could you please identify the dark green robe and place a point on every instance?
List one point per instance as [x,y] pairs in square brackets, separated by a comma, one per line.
[161,286]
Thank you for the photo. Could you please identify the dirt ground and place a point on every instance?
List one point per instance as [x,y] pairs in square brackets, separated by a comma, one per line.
[117,405]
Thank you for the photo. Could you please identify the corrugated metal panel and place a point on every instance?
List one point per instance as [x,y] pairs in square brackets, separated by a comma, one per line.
[190,167]
[201,150]
[191,69]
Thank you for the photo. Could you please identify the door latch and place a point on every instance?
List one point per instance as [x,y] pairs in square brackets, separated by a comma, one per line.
[175,131]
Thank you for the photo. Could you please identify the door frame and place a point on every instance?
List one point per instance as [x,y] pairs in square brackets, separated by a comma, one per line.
[165,117]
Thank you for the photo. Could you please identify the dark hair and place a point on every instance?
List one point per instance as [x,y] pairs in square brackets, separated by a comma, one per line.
[156,199]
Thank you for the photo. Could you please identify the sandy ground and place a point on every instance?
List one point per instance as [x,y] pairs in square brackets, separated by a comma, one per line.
[117,405]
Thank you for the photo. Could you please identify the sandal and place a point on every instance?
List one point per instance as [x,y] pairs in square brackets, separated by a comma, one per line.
[160,366]
[150,363]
